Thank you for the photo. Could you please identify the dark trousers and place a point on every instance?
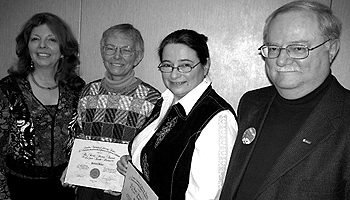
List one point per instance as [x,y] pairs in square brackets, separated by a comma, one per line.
[38,189]
[85,193]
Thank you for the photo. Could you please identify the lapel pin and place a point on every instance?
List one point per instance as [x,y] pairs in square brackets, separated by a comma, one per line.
[306,141]
[249,135]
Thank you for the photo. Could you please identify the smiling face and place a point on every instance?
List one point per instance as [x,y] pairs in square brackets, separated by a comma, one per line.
[182,83]
[44,47]
[116,65]
[295,78]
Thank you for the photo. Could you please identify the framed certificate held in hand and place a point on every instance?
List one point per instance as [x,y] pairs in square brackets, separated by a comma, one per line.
[94,164]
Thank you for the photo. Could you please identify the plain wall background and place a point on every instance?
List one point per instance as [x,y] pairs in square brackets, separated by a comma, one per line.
[234,29]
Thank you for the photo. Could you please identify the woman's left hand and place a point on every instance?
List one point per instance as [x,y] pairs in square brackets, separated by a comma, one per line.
[122,164]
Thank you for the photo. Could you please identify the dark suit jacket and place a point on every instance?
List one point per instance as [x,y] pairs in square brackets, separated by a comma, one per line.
[315,164]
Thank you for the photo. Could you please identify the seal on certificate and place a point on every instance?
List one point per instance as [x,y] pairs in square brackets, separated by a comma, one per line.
[95,173]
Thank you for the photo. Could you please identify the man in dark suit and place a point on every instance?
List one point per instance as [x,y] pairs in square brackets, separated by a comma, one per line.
[294,137]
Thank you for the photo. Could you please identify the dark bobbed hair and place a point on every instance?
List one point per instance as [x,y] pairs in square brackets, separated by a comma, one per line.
[330,26]
[69,47]
[190,38]
[129,31]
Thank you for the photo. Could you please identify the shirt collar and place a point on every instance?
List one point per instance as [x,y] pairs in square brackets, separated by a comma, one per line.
[190,98]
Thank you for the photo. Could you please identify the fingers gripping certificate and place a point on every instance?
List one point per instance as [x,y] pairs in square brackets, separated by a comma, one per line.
[94,164]
[135,187]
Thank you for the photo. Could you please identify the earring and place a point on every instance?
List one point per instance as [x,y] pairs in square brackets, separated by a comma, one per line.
[31,64]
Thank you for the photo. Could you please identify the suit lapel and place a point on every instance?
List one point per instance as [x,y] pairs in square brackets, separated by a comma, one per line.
[242,152]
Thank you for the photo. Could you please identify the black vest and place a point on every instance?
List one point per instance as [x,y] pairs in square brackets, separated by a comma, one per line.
[166,160]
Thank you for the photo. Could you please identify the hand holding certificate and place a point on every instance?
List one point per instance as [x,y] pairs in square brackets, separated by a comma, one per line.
[93,164]
[135,187]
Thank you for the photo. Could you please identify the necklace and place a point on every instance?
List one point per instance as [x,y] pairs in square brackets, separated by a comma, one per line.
[42,87]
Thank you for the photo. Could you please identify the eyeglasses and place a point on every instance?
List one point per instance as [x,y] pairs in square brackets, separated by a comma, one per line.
[125,51]
[183,68]
[295,51]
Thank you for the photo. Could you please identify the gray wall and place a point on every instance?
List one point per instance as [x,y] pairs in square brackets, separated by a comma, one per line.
[234,29]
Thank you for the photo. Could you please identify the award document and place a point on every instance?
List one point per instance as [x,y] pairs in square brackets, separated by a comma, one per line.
[94,164]
[135,187]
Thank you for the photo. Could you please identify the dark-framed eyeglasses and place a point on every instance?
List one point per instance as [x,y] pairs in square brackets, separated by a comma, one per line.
[296,51]
[110,50]
[183,68]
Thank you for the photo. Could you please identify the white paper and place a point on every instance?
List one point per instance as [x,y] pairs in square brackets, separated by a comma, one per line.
[94,164]
[135,187]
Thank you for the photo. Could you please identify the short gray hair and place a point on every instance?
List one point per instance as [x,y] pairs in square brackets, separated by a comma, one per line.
[329,25]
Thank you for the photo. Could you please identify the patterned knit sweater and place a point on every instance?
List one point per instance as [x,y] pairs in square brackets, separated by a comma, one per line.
[110,115]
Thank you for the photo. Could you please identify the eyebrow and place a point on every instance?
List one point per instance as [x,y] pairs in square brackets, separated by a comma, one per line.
[118,46]
[35,34]
[291,43]
[186,60]
[300,41]
[181,60]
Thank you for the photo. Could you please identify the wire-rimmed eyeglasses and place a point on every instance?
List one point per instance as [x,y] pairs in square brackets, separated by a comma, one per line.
[296,51]
[183,68]
[110,50]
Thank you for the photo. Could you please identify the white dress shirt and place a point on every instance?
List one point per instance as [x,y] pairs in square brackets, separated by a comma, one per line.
[212,148]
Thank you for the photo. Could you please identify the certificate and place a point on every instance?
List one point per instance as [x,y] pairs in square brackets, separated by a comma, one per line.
[94,164]
[135,187]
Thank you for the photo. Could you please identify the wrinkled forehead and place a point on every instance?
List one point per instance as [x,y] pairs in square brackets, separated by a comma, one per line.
[293,26]
[117,35]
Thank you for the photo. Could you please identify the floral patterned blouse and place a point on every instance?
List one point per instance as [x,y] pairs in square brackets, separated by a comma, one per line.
[33,136]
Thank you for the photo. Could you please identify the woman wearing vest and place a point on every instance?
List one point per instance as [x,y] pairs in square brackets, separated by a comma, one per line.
[184,150]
